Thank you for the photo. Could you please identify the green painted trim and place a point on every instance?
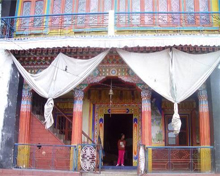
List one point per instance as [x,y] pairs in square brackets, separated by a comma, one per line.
[17,7]
[219,5]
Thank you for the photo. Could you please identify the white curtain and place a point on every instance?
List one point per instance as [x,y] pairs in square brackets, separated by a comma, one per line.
[63,75]
[152,68]
[190,71]
[173,74]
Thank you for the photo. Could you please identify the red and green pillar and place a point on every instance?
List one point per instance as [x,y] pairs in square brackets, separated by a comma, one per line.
[204,125]
[24,127]
[77,125]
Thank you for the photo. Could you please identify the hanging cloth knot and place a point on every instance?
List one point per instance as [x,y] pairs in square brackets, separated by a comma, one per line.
[48,108]
[176,122]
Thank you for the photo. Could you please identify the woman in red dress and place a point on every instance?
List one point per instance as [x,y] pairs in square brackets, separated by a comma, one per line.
[121,150]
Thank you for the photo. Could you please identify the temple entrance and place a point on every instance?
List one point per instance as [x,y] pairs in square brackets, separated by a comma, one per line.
[113,127]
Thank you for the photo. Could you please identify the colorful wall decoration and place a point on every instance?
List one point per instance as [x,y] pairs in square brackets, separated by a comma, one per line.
[135,109]
[157,129]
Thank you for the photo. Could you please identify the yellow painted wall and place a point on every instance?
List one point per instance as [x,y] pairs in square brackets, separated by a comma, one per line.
[215,8]
[86,108]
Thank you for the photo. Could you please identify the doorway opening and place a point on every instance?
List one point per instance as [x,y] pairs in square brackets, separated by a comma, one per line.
[113,127]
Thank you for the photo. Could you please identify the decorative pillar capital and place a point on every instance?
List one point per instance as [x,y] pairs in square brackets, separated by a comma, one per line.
[203,99]
[26,100]
[82,86]
[77,117]
[143,86]
[202,93]
[146,94]
[26,91]
[78,94]
[146,97]
[78,100]
[202,87]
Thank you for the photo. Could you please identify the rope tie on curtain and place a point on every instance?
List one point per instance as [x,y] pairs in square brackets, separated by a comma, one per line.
[48,108]
[176,122]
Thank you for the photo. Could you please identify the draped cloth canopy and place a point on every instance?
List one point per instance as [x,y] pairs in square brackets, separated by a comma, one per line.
[63,75]
[173,74]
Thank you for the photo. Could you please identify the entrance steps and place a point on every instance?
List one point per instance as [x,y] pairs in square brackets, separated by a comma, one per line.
[119,167]
[114,173]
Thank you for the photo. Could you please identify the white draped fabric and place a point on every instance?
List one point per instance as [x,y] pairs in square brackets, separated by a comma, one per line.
[63,75]
[190,71]
[173,74]
[152,68]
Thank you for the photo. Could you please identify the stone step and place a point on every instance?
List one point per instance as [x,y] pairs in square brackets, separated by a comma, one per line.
[41,118]
[114,172]
[54,130]
[67,142]
[61,136]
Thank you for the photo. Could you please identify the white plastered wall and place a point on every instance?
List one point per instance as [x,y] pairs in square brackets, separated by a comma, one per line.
[5,75]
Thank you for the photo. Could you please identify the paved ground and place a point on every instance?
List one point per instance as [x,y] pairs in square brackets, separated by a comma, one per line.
[19,172]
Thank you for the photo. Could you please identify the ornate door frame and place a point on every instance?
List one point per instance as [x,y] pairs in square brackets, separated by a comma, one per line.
[135,109]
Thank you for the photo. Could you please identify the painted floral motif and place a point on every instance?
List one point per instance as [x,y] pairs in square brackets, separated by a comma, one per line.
[203,100]
[78,100]
[26,100]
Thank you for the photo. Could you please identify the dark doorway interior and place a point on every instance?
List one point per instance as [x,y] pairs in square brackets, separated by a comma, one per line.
[113,127]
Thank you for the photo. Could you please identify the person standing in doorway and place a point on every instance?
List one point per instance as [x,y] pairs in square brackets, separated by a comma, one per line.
[121,150]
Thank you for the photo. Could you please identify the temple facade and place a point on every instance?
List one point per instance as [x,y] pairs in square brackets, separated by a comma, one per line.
[112,100]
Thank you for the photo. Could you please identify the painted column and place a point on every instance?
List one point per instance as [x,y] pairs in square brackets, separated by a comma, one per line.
[77,124]
[24,127]
[77,117]
[146,123]
[204,125]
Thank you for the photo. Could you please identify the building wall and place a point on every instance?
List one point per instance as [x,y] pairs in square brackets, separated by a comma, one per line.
[83,6]
[122,23]
[10,94]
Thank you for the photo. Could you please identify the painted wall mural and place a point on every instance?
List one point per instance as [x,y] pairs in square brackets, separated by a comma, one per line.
[157,128]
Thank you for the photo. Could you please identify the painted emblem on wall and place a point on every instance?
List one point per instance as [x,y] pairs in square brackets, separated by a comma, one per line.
[88,158]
